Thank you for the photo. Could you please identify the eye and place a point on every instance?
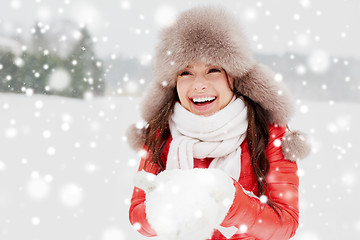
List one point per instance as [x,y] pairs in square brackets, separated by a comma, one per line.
[184,73]
[212,70]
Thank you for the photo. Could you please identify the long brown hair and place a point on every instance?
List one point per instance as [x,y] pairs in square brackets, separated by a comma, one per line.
[158,133]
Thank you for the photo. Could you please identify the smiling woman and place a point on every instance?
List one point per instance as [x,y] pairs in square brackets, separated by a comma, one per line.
[203,89]
[220,162]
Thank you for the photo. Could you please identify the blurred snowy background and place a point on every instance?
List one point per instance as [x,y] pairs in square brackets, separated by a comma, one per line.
[71,76]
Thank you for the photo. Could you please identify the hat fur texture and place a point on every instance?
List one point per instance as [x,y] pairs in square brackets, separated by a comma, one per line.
[213,36]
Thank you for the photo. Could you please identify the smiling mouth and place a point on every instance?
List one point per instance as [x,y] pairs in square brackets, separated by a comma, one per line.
[203,101]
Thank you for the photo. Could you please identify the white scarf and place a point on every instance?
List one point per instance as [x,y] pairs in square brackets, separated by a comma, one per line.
[218,136]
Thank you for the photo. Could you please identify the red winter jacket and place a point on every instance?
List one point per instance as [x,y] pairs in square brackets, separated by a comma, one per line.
[260,219]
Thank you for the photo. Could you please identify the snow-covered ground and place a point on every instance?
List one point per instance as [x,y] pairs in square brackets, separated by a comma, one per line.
[66,170]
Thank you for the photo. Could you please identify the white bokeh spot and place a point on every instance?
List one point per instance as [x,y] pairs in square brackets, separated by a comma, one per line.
[71,195]
[59,80]
[319,61]
[165,16]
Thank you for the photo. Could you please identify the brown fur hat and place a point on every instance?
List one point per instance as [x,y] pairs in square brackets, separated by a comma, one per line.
[213,36]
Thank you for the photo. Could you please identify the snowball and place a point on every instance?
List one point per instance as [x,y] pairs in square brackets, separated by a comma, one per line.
[71,195]
[168,207]
[165,16]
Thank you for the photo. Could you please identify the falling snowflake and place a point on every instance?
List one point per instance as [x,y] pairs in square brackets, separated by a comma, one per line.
[35,221]
[319,61]
[38,188]
[59,80]
[165,16]
[125,5]
[250,14]
[71,195]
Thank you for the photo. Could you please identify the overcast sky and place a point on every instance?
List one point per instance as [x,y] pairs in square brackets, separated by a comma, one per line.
[130,27]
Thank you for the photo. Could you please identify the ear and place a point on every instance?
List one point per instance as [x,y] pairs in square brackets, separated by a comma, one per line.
[135,137]
[295,145]
[260,85]
[146,181]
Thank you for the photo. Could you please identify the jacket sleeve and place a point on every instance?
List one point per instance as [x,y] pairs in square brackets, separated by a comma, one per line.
[258,219]
[137,213]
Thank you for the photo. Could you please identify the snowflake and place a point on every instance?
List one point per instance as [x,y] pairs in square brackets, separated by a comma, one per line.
[165,16]
[319,61]
[35,221]
[125,5]
[71,195]
[59,80]
[51,151]
[38,187]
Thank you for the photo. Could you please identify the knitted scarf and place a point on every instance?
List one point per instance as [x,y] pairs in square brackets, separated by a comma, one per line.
[218,136]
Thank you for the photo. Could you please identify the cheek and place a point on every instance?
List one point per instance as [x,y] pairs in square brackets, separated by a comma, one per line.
[181,91]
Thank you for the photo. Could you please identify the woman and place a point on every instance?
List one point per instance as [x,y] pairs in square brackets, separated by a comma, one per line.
[212,106]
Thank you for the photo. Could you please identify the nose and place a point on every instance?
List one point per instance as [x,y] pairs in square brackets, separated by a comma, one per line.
[199,84]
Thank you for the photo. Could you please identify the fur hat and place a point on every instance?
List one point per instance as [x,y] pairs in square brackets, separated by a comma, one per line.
[213,36]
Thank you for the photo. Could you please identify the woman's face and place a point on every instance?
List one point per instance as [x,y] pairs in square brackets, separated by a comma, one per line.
[203,89]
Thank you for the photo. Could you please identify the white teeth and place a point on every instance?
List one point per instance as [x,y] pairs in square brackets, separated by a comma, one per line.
[205,99]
